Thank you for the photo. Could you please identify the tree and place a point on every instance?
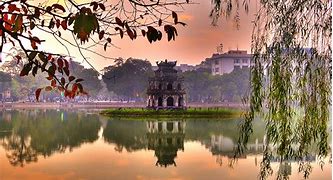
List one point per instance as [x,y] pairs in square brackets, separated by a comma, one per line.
[130,79]
[291,78]
[89,24]
[5,80]
[199,85]
[202,86]
[235,85]
[91,82]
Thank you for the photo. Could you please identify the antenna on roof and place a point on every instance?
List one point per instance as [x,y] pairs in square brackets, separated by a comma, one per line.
[220,48]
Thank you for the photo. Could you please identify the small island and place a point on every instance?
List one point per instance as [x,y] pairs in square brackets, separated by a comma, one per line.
[209,112]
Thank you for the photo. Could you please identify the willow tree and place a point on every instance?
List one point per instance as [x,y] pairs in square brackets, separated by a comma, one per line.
[82,25]
[290,78]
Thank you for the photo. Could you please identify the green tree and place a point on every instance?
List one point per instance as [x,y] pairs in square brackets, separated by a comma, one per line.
[5,80]
[92,84]
[199,85]
[129,79]
[202,86]
[235,85]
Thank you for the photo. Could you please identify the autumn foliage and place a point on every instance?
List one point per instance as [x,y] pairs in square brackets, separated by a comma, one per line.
[21,20]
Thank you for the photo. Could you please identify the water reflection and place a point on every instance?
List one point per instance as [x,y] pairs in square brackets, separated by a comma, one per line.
[166,138]
[26,136]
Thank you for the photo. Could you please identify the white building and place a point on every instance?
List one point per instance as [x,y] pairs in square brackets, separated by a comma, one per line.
[227,62]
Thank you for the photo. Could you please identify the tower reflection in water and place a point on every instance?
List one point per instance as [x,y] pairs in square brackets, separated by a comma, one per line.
[166,138]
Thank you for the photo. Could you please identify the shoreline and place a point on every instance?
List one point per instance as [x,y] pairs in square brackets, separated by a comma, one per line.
[103,105]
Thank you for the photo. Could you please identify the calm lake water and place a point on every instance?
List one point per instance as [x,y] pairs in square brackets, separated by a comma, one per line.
[59,144]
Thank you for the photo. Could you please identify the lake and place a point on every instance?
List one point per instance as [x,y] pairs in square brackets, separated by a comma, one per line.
[80,144]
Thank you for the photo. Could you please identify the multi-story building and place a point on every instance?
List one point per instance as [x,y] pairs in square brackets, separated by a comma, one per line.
[222,63]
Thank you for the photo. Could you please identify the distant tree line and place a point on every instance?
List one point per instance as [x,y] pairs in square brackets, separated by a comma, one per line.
[127,80]
[204,87]
[23,88]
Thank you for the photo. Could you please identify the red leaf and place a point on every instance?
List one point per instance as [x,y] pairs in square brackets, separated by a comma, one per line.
[12,7]
[66,70]
[101,35]
[37,93]
[60,63]
[175,17]
[102,6]
[18,58]
[66,63]
[130,33]
[159,22]
[95,5]
[74,88]
[63,81]
[37,13]
[71,78]
[79,80]
[32,25]
[109,40]
[53,83]
[64,24]
[80,87]
[105,45]
[120,31]
[26,69]
[57,23]
[143,33]
[119,22]
[58,6]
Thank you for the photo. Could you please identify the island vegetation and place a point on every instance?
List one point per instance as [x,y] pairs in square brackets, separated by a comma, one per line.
[139,113]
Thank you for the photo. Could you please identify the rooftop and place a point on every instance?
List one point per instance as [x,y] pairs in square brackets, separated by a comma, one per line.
[231,53]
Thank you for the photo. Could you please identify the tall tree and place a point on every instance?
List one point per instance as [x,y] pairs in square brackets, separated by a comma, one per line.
[130,79]
[91,81]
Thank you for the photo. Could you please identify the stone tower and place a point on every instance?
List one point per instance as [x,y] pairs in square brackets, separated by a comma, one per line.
[165,89]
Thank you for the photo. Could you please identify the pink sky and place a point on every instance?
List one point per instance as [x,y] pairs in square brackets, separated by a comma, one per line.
[195,42]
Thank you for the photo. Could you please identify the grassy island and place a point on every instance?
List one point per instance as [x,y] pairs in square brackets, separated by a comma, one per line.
[182,113]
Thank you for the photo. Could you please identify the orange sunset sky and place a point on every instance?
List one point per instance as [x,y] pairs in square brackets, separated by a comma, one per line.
[195,42]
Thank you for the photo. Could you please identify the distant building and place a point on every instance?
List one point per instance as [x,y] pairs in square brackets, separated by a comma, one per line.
[165,89]
[222,63]
[180,68]
[185,67]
